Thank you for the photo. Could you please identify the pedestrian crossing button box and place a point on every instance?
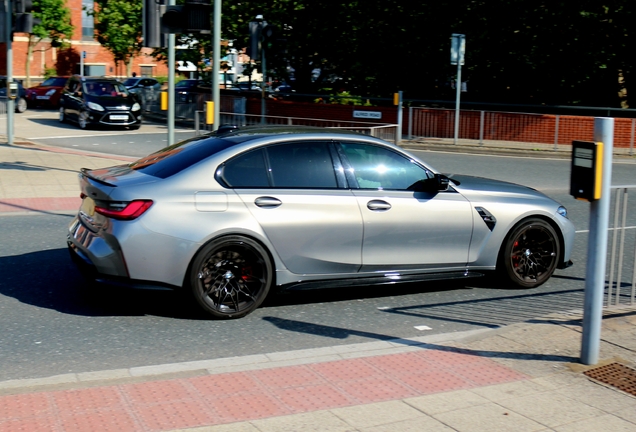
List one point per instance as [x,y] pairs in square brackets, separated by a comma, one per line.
[587,170]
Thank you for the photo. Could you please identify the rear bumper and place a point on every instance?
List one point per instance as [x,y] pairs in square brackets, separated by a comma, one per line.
[89,271]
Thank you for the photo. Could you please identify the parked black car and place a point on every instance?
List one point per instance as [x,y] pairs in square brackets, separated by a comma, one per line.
[93,101]
[20,102]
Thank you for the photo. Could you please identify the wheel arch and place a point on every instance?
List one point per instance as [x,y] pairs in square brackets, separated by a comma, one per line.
[252,237]
[555,226]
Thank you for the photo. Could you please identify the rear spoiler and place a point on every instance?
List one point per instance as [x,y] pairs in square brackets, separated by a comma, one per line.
[86,173]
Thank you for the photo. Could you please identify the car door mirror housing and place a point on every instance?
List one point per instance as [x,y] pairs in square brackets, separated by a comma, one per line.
[438,183]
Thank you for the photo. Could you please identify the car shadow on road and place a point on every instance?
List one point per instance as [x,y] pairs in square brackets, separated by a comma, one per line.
[48,279]
[344,333]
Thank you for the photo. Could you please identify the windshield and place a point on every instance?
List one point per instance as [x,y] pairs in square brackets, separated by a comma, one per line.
[105,88]
[131,82]
[54,81]
[186,83]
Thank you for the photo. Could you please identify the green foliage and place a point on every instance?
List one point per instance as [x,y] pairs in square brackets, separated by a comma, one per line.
[49,72]
[518,51]
[55,24]
[118,24]
[55,21]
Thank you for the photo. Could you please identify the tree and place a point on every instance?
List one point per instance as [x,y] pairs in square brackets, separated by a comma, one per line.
[54,24]
[118,24]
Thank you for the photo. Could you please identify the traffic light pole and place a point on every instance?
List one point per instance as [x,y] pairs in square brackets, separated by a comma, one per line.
[171,79]
[8,25]
[216,63]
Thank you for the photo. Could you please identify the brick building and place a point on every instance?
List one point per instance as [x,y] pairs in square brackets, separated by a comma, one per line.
[97,61]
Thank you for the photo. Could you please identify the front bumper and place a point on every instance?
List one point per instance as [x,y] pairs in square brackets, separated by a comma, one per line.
[114,118]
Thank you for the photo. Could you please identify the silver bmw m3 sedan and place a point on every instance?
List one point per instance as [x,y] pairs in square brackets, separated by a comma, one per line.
[238,213]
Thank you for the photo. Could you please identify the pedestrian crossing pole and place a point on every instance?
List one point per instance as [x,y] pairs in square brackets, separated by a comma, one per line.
[458,49]
[597,247]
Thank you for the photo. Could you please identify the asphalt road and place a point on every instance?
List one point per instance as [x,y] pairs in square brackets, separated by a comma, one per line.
[53,325]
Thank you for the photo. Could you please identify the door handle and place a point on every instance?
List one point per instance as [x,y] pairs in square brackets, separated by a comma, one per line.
[267,202]
[378,205]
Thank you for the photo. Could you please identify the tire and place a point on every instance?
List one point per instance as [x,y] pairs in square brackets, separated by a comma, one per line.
[82,120]
[530,254]
[231,276]
[20,105]
[62,117]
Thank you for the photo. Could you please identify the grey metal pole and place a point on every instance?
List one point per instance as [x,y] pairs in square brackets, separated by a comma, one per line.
[458,88]
[264,85]
[171,82]
[216,64]
[398,134]
[8,7]
[597,249]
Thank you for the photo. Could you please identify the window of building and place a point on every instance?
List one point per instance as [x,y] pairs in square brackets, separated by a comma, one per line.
[146,71]
[88,24]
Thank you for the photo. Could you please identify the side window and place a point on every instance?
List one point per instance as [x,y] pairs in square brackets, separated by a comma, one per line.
[246,171]
[302,165]
[380,168]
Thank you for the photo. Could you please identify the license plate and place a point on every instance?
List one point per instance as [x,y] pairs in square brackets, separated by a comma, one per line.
[118,117]
[43,97]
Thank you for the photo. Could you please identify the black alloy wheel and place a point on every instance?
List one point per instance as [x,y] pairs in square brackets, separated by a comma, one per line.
[231,276]
[530,253]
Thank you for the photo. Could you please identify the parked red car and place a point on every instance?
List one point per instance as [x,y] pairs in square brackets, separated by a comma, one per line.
[47,93]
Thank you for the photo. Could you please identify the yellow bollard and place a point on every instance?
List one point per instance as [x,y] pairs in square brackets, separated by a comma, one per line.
[164,101]
[209,112]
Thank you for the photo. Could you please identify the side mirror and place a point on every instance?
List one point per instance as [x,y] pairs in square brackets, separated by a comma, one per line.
[438,183]
[442,182]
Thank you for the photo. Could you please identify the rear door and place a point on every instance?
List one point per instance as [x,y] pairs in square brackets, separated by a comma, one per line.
[296,192]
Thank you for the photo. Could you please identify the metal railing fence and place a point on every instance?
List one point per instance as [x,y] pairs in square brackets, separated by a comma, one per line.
[384,131]
[482,126]
[621,286]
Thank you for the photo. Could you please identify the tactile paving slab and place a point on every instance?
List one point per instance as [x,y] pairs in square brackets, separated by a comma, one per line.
[617,375]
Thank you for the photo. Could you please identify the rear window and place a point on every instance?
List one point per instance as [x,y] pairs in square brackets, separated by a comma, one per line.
[177,157]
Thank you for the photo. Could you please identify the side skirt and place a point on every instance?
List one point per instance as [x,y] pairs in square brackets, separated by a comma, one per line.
[387,279]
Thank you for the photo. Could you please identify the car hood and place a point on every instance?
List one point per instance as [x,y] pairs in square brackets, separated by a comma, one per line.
[466,183]
[112,101]
[45,89]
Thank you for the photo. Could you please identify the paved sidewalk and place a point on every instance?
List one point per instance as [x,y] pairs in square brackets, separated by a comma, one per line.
[524,377]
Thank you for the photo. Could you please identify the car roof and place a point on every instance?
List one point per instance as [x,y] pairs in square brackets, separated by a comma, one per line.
[250,133]
[95,78]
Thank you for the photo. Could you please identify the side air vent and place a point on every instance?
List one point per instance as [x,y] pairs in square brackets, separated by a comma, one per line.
[488,218]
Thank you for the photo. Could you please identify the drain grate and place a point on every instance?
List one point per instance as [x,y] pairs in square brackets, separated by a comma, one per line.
[617,375]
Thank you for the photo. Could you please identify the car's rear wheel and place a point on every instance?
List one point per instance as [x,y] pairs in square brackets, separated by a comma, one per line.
[530,254]
[231,276]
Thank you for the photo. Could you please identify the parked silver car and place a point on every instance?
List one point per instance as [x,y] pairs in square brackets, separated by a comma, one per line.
[236,213]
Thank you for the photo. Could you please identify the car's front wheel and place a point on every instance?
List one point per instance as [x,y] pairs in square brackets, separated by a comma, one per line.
[83,120]
[231,276]
[530,253]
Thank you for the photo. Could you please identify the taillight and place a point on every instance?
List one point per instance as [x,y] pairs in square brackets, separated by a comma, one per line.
[125,211]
